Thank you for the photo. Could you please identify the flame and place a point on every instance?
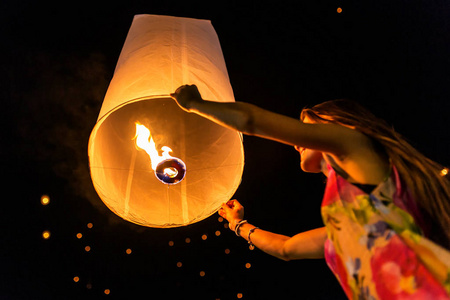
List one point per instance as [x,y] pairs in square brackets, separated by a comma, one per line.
[144,140]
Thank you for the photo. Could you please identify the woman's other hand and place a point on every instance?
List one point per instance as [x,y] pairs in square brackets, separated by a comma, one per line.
[185,95]
[233,211]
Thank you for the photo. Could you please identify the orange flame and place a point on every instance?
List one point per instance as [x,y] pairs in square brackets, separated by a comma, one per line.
[144,140]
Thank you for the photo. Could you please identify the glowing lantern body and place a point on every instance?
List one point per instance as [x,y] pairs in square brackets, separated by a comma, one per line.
[160,54]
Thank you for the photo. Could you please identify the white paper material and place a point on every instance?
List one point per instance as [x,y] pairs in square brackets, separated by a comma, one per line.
[160,54]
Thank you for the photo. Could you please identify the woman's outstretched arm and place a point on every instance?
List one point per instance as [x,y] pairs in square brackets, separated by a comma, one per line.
[253,120]
[351,150]
[304,245]
[308,244]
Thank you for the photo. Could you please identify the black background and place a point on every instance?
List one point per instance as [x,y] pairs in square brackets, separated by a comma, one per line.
[57,59]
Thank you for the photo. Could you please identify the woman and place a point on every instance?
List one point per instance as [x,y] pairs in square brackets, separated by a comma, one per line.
[386,207]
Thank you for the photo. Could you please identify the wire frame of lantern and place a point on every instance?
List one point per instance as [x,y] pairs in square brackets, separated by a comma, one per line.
[205,162]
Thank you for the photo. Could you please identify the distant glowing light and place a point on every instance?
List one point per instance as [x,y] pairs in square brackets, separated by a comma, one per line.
[179,264]
[90,225]
[204,237]
[107,291]
[444,172]
[171,243]
[79,235]
[46,234]
[76,279]
[128,251]
[339,10]
[45,200]
[217,233]
[248,265]
[202,273]
[187,240]
[87,248]
[220,219]
[227,251]
[239,295]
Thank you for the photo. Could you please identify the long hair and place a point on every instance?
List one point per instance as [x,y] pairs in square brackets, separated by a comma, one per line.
[425,178]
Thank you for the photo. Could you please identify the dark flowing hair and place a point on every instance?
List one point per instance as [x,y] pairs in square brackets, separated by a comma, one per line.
[425,178]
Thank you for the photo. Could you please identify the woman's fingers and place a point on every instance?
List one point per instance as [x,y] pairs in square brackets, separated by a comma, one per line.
[231,210]
[234,204]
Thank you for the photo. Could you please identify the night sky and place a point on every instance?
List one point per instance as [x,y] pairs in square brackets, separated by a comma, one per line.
[57,59]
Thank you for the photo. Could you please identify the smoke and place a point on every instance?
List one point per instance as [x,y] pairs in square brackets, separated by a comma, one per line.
[62,99]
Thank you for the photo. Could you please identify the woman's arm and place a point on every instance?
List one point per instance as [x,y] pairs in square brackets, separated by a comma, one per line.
[308,244]
[351,150]
[252,120]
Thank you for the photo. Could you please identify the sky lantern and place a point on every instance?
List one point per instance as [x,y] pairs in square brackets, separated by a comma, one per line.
[152,163]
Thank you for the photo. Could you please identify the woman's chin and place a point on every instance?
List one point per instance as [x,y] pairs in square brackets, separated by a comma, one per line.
[309,168]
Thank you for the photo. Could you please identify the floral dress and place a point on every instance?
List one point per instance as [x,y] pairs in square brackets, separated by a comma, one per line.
[375,247]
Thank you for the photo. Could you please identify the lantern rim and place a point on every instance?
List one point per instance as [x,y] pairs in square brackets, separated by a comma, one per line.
[92,136]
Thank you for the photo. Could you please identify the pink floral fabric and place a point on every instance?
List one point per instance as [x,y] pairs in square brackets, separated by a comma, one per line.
[375,247]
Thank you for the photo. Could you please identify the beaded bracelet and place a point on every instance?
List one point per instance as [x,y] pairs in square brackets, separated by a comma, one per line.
[236,228]
[249,233]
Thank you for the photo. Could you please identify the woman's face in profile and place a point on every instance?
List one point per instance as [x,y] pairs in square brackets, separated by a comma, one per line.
[310,160]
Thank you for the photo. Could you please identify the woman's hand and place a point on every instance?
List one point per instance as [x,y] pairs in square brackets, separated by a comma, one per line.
[185,95]
[233,211]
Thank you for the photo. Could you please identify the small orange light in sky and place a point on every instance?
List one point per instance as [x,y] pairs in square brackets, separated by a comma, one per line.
[107,292]
[171,243]
[79,235]
[76,279]
[204,237]
[90,225]
[128,251]
[339,10]
[444,172]
[46,235]
[45,199]
[87,248]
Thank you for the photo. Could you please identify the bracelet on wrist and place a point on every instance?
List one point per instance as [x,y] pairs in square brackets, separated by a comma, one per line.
[249,234]
[236,227]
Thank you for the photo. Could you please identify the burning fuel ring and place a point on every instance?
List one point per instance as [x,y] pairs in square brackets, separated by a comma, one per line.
[171,171]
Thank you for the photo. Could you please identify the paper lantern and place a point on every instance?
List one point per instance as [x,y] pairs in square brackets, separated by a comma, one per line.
[160,54]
